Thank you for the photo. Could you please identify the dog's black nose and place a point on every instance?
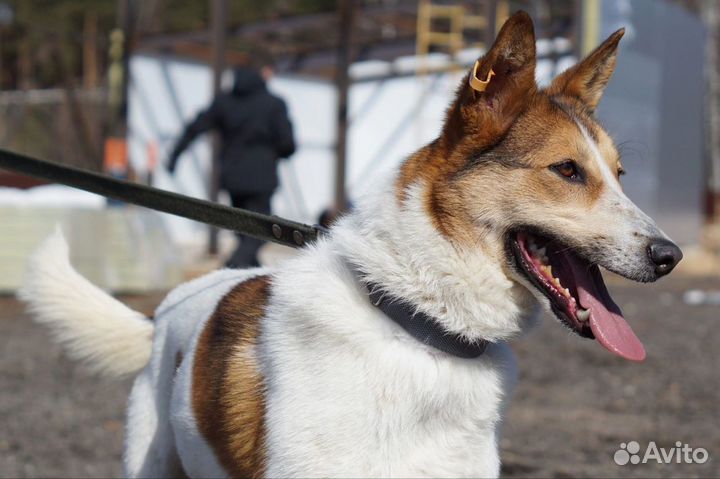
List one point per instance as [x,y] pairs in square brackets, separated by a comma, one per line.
[665,255]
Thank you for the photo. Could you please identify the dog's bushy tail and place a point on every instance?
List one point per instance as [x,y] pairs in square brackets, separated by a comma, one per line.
[94,328]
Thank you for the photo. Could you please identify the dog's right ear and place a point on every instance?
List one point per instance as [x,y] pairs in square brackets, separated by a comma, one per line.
[498,88]
[586,81]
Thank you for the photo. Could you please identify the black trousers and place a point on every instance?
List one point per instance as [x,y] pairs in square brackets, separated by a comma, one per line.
[245,254]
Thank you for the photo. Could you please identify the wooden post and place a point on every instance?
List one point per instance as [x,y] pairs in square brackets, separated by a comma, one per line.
[90,67]
[24,53]
[423,28]
[591,25]
[218,31]
[342,83]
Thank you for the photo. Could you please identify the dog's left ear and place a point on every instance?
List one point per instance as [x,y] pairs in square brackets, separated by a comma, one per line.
[587,80]
[498,88]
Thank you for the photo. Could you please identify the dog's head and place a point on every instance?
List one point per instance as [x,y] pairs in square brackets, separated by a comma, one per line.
[531,176]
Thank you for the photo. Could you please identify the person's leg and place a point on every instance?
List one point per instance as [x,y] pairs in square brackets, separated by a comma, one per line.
[245,255]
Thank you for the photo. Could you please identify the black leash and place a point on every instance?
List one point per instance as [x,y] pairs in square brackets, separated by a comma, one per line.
[267,228]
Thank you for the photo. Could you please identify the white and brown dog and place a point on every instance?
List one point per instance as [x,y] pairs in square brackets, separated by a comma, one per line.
[296,372]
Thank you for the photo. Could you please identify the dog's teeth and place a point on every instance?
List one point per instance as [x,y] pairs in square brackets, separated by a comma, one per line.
[567,292]
[583,314]
[557,282]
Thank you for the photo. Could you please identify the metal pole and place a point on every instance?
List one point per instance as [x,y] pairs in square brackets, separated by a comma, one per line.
[342,83]
[491,26]
[712,66]
[219,30]
[578,28]
[128,24]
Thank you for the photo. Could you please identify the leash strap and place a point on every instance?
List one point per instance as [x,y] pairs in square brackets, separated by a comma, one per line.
[263,227]
[421,326]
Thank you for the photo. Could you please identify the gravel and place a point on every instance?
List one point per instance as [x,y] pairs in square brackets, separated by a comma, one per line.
[574,405]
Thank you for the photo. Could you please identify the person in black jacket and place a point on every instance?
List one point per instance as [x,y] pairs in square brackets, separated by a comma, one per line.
[255,133]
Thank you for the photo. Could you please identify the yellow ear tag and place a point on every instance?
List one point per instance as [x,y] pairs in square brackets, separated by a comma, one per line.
[478,84]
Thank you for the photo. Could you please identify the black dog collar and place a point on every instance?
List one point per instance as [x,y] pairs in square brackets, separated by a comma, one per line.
[419,325]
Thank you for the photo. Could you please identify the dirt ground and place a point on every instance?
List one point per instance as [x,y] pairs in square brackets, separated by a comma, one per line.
[573,407]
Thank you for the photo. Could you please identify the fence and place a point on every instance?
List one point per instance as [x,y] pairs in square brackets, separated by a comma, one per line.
[62,125]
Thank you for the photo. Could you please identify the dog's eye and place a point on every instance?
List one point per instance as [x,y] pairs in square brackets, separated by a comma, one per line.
[568,169]
[621,171]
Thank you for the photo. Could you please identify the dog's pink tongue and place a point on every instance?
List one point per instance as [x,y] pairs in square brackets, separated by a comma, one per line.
[606,320]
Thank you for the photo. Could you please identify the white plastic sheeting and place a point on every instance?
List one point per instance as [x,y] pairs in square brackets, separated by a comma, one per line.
[389,120]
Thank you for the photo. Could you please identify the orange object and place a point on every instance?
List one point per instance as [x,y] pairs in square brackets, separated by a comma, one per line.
[116,157]
[478,84]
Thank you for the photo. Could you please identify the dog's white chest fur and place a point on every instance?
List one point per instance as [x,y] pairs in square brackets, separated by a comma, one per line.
[379,409]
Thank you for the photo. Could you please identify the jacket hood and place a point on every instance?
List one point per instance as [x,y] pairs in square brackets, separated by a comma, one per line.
[247,81]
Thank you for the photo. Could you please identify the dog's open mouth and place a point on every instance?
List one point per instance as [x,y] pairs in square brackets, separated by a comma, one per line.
[576,291]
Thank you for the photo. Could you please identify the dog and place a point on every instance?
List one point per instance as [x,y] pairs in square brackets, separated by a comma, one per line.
[381,349]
